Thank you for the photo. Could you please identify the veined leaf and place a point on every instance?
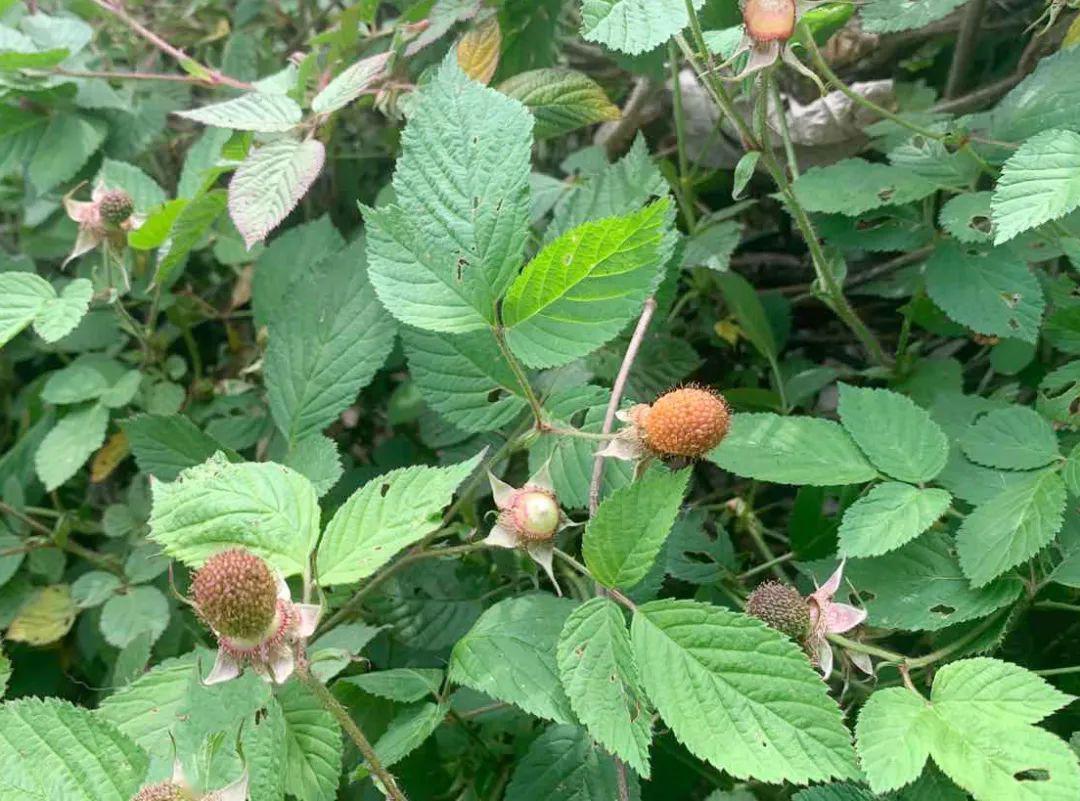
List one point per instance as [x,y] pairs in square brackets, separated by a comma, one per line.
[265,507]
[1038,183]
[562,100]
[888,16]
[1014,438]
[598,672]
[509,653]
[350,84]
[889,516]
[583,287]
[270,182]
[565,763]
[22,296]
[1011,527]
[254,111]
[314,748]
[448,247]
[792,450]
[739,695]
[387,514]
[633,26]
[70,443]
[478,50]
[164,445]
[624,537]
[854,186]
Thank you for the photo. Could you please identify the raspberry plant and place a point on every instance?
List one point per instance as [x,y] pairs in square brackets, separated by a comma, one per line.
[500,400]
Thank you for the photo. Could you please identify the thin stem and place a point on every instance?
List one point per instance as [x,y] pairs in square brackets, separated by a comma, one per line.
[115,76]
[680,139]
[785,133]
[350,607]
[202,73]
[832,78]
[519,374]
[753,528]
[779,560]
[1062,671]
[616,398]
[577,432]
[580,568]
[341,715]
[1058,605]
[965,47]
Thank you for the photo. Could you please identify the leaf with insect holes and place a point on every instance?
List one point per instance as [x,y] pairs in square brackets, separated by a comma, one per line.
[270,182]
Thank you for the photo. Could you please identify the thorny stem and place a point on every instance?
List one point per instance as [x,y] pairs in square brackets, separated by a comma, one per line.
[616,398]
[212,77]
[342,716]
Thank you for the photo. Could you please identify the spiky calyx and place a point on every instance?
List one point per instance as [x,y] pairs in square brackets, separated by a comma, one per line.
[236,593]
[163,791]
[115,207]
[769,20]
[535,514]
[689,421]
[780,607]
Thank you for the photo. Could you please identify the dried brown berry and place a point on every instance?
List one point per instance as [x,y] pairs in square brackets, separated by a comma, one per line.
[689,421]
[163,791]
[236,593]
[115,207]
[780,607]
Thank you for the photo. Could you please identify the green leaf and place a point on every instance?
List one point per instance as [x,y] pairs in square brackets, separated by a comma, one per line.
[313,741]
[60,314]
[191,225]
[990,291]
[1038,184]
[139,611]
[316,363]
[66,145]
[509,654]
[1011,527]
[920,587]
[349,84]
[888,516]
[70,443]
[93,588]
[897,436]
[293,257]
[408,730]
[596,665]
[967,217]
[270,182]
[745,305]
[792,450]
[889,16]
[22,296]
[200,162]
[978,727]
[562,100]
[266,508]
[316,458]
[449,246]
[893,735]
[827,792]
[388,513]
[854,186]
[400,684]
[565,763]
[58,750]
[122,392]
[155,229]
[618,189]
[464,378]
[74,384]
[165,445]
[777,722]
[633,26]
[1014,438]
[254,111]
[624,537]
[1045,99]
[584,287]
[712,247]
[143,190]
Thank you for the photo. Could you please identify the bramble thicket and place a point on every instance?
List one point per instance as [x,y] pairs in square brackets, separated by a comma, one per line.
[539,400]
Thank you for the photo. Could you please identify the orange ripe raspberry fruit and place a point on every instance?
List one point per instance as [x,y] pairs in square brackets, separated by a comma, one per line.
[769,20]
[689,421]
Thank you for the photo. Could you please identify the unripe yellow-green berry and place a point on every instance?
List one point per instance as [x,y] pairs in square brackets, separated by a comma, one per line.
[780,607]
[236,594]
[535,514]
[769,20]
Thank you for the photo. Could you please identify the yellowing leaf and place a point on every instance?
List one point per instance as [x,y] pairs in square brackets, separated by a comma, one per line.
[478,50]
[111,454]
[45,618]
